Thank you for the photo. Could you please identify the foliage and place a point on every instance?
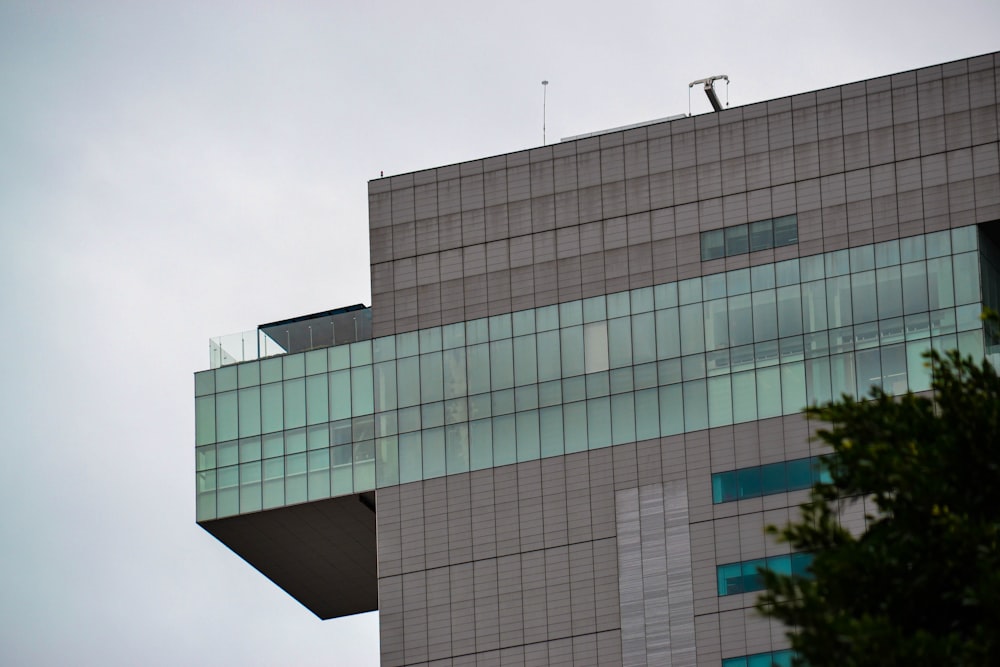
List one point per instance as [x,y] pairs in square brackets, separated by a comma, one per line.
[921,585]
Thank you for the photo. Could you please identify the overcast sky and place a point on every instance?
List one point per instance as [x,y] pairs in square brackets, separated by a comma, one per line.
[171,171]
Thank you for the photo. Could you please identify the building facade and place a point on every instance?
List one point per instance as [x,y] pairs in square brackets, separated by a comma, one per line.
[575,402]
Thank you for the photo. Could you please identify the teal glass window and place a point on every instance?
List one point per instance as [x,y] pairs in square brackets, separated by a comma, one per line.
[745,577]
[741,239]
[756,481]
[782,658]
[703,352]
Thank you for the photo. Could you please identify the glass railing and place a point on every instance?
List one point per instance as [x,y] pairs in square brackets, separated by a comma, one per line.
[300,334]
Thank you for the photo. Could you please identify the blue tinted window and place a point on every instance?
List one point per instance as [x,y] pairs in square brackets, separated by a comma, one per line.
[756,481]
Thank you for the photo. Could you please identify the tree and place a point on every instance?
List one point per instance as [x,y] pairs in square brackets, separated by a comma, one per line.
[921,584]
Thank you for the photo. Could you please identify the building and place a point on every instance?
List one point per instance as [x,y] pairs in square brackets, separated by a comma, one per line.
[559,431]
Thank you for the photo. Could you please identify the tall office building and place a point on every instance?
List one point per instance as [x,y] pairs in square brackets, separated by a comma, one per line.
[575,402]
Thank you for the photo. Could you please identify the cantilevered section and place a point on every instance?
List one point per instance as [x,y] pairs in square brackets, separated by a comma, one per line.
[332,327]
[321,553]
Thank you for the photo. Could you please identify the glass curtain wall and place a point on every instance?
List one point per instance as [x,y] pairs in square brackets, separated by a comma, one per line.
[678,357]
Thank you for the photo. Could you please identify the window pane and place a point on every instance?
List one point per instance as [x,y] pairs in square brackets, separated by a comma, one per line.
[596,345]
[668,341]
[736,240]
[457,448]
[712,245]
[481,444]
[724,487]
[598,423]
[549,367]
[454,372]
[647,414]
[478,367]
[671,410]
[765,316]
[571,344]
[786,231]
[432,441]
[692,321]
[525,360]
[502,364]
[744,397]
[793,387]
[411,458]
[800,473]
[720,401]
[528,444]
[772,479]
[362,391]
[768,393]
[550,427]
[226,412]
[761,236]
[695,405]
[643,338]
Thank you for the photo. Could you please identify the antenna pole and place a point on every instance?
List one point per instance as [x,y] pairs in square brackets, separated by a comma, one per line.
[545,88]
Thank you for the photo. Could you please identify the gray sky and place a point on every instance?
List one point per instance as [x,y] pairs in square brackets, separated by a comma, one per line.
[175,171]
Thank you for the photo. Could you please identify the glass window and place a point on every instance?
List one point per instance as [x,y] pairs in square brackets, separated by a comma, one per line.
[480,444]
[432,441]
[525,360]
[619,304]
[911,249]
[786,231]
[692,322]
[736,240]
[713,286]
[478,367]
[762,277]
[761,235]
[800,473]
[571,346]
[623,427]
[724,487]
[457,448]
[226,413]
[789,306]
[862,258]
[668,341]
[643,338]
[502,364]
[772,479]
[716,325]
[765,316]
[738,282]
[811,268]
[317,399]
[547,318]
[598,423]
[720,401]
[744,397]
[863,296]
[838,301]
[596,344]
[938,244]
[550,428]
[549,354]
[570,313]
[713,245]
[504,442]
[594,309]
[671,410]
[786,273]
[204,420]
[886,253]
[647,423]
